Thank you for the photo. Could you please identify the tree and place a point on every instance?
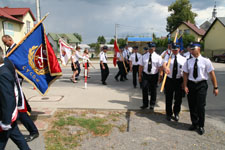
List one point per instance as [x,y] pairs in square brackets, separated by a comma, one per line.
[95,46]
[181,11]
[101,40]
[112,41]
[78,36]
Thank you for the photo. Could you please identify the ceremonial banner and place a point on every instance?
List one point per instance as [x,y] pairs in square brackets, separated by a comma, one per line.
[35,60]
[65,52]
[180,42]
[116,50]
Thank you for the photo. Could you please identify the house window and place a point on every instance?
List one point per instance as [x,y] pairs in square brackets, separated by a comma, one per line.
[187,31]
[28,26]
[9,29]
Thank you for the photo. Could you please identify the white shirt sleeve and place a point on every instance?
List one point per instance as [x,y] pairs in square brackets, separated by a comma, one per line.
[185,67]
[78,55]
[209,66]
[140,61]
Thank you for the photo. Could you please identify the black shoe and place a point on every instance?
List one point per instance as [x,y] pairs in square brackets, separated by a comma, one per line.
[31,137]
[122,80]
[143,107]
[104,83]
[125,78]
[116,78]
[135,86]
[176,117]
[192,127]
[168,118]
[201,130]
[151,107]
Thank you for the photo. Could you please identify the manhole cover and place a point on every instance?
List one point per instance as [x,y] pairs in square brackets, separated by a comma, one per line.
[45,98]
[53,98]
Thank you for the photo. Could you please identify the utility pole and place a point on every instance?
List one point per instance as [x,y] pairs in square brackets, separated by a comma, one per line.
[38,10]
[116,25]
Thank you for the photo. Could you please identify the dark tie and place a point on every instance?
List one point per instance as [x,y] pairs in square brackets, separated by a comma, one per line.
[105,57]
[136,58]
[150,63]
[190,56]
[175,67]
[195,72]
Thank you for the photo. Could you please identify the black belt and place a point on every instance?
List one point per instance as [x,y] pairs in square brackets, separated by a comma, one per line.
[196,82]
[150,74]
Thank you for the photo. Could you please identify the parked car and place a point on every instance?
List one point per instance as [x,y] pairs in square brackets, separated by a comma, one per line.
[218,58]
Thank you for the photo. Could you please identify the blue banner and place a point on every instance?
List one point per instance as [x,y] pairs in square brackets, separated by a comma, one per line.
[31,62]
[180,42]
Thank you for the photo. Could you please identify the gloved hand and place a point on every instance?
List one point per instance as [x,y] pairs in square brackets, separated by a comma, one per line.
[5,127]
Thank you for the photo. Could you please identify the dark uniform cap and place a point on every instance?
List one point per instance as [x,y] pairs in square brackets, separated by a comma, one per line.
[145,48]
[135,47]
[150,45]
[105,47]
[170,43]
[175,46]
[195,45]
[121,47]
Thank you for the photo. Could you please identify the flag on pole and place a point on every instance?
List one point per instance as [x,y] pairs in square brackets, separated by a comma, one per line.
[116,50]
[180,42]
[65,52]
[35,60]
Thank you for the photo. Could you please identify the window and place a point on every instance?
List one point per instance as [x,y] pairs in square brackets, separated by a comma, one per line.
[187,31]
[28,26]
[9,29]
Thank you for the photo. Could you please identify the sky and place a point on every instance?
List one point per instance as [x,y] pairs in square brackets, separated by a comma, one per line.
[93,18]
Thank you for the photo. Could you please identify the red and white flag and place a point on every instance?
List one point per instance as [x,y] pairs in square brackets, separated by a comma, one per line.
[65,52]
[116,50]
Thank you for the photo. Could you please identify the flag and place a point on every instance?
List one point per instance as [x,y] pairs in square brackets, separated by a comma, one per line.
[116,50]
[65,52]
[180,42]
[35,60]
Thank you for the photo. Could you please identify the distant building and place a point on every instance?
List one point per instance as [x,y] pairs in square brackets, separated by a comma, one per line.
[68,38]
[205,26]
[16,22]
[214,38]
[141,42]
[189,28]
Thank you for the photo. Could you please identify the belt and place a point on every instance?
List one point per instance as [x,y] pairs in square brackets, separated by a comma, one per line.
[196,82]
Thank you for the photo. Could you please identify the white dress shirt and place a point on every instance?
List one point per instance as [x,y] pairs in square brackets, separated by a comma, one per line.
[133,60]
[180,63]
[156,62]
[103,57]
[204,67]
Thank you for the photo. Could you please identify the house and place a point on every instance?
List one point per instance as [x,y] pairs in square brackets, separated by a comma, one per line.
[68,38]
[214,38]
[15,22]
[141,42]
[189,28]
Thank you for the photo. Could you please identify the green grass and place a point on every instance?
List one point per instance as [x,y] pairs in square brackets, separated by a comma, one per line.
[59,136]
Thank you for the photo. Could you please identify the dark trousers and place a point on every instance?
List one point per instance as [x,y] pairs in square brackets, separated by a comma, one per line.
[197,101]
[104,72]
[78,68]
[28,123]
[135,73]
[149,85]
[121,71]
[173,90]
[15,135]
[127,64]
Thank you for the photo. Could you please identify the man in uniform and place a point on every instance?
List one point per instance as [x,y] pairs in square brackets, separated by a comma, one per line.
[103,65]
[134,64]
[196,70]
[23,116]
[174,82]
[167,51]
[150,64]
[188,53]
[121,66]
[8,107]
[126,56]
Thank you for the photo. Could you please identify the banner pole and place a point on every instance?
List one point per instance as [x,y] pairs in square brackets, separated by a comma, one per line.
[24,38]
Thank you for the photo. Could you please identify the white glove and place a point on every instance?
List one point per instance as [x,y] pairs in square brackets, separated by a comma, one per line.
[5,127]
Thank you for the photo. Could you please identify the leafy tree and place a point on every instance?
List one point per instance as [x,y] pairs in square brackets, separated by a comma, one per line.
[112,41]
[121,42]
[101,40]
[95,46]
[78,36]
[180,11]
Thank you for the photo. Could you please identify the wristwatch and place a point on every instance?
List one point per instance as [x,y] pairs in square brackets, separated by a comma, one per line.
[215,88]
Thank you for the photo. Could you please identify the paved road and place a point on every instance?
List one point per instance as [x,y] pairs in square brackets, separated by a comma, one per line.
[116,95]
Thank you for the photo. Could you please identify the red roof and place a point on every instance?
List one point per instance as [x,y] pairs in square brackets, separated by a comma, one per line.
[195,28]
[15,12]
[3,14]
